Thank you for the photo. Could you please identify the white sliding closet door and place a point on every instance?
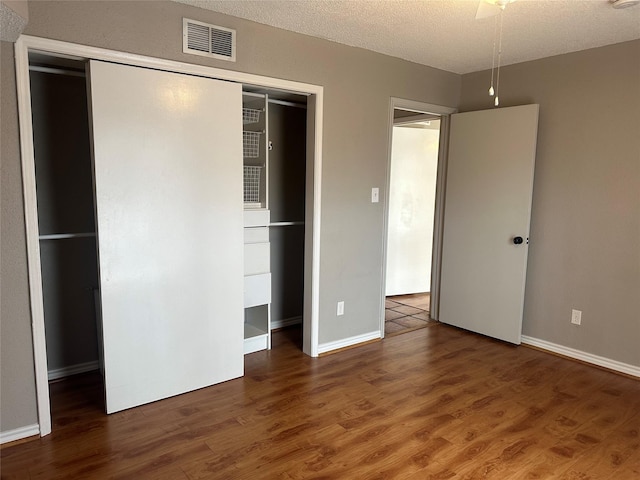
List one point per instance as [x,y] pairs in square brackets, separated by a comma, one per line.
[168,181]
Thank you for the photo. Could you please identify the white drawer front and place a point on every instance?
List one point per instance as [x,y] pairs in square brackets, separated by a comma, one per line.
[256,235]
[256,258]
[257,218]
[257,290]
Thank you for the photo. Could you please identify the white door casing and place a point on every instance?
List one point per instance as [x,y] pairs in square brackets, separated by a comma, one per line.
[444,113]
[168,178]
[487,204]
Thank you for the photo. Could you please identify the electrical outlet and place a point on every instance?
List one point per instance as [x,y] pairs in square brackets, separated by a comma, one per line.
[576,317]
[340,310]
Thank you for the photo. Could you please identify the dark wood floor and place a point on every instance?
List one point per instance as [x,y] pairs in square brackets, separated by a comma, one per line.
[437,404]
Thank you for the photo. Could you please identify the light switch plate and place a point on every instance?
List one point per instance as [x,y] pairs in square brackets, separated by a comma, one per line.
[375,195]
[576,317]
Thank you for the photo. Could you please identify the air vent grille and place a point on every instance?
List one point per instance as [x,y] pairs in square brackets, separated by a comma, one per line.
[222,42]
[208,40]
[198,38]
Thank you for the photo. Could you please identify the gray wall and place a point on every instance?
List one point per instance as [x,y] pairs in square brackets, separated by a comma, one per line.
[17,380]
[357,85]
[585,230]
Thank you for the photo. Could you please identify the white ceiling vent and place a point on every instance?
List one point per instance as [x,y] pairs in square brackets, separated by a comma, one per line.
[208,40]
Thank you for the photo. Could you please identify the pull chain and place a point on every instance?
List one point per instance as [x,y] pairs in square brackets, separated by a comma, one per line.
[493,57]
[496,101]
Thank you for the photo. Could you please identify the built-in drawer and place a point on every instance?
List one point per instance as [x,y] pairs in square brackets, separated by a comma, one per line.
[257,218]
[257,290]
[256,235]
[257,258]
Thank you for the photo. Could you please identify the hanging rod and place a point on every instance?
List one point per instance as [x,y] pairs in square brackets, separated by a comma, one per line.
[288,104]
[60,236]
[285,224]
[57,71]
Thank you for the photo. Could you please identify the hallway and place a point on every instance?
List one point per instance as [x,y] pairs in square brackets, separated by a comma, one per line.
[405,313]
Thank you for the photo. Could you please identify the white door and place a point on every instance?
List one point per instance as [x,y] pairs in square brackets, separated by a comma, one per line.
[168,184]
[487,211]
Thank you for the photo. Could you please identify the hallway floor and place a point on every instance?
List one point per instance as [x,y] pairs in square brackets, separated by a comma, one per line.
[405,313]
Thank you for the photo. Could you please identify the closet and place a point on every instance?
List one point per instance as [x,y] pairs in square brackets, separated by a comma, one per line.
[274,151]
[65,217]
[287,136]
[146,220]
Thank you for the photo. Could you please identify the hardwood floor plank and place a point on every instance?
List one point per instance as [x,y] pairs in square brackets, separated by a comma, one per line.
[439,403]
[608,455]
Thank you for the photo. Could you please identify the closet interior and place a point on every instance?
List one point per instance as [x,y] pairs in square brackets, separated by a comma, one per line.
[66,218]
[274,151]
[287,173]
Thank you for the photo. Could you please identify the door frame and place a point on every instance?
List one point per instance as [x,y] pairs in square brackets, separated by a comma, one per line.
[444,113]
[56,48]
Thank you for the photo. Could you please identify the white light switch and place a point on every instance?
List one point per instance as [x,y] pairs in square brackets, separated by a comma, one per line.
[375,195]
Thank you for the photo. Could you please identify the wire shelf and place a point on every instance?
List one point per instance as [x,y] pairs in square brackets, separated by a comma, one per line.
[251,144]
[250,115]
[251,184]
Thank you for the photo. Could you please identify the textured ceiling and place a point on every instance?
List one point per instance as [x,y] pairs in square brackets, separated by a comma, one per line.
[12,22]
[444,33]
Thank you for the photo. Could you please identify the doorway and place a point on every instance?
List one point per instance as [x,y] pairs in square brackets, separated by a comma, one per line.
[416,170]
[412,192]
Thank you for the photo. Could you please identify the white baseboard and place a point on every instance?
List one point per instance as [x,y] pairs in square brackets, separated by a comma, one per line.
[73,370]
[348,342]
[19,433]
[583,356]
[285,322]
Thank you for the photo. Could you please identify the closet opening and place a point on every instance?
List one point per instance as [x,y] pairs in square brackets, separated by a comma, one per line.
[66,224]
[108,68]
[274,167]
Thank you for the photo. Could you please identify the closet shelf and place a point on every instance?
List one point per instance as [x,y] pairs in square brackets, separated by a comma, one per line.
[254,339]
[251,331]
[61,236]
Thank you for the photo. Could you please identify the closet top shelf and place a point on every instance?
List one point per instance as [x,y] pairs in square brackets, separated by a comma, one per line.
[60,236]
